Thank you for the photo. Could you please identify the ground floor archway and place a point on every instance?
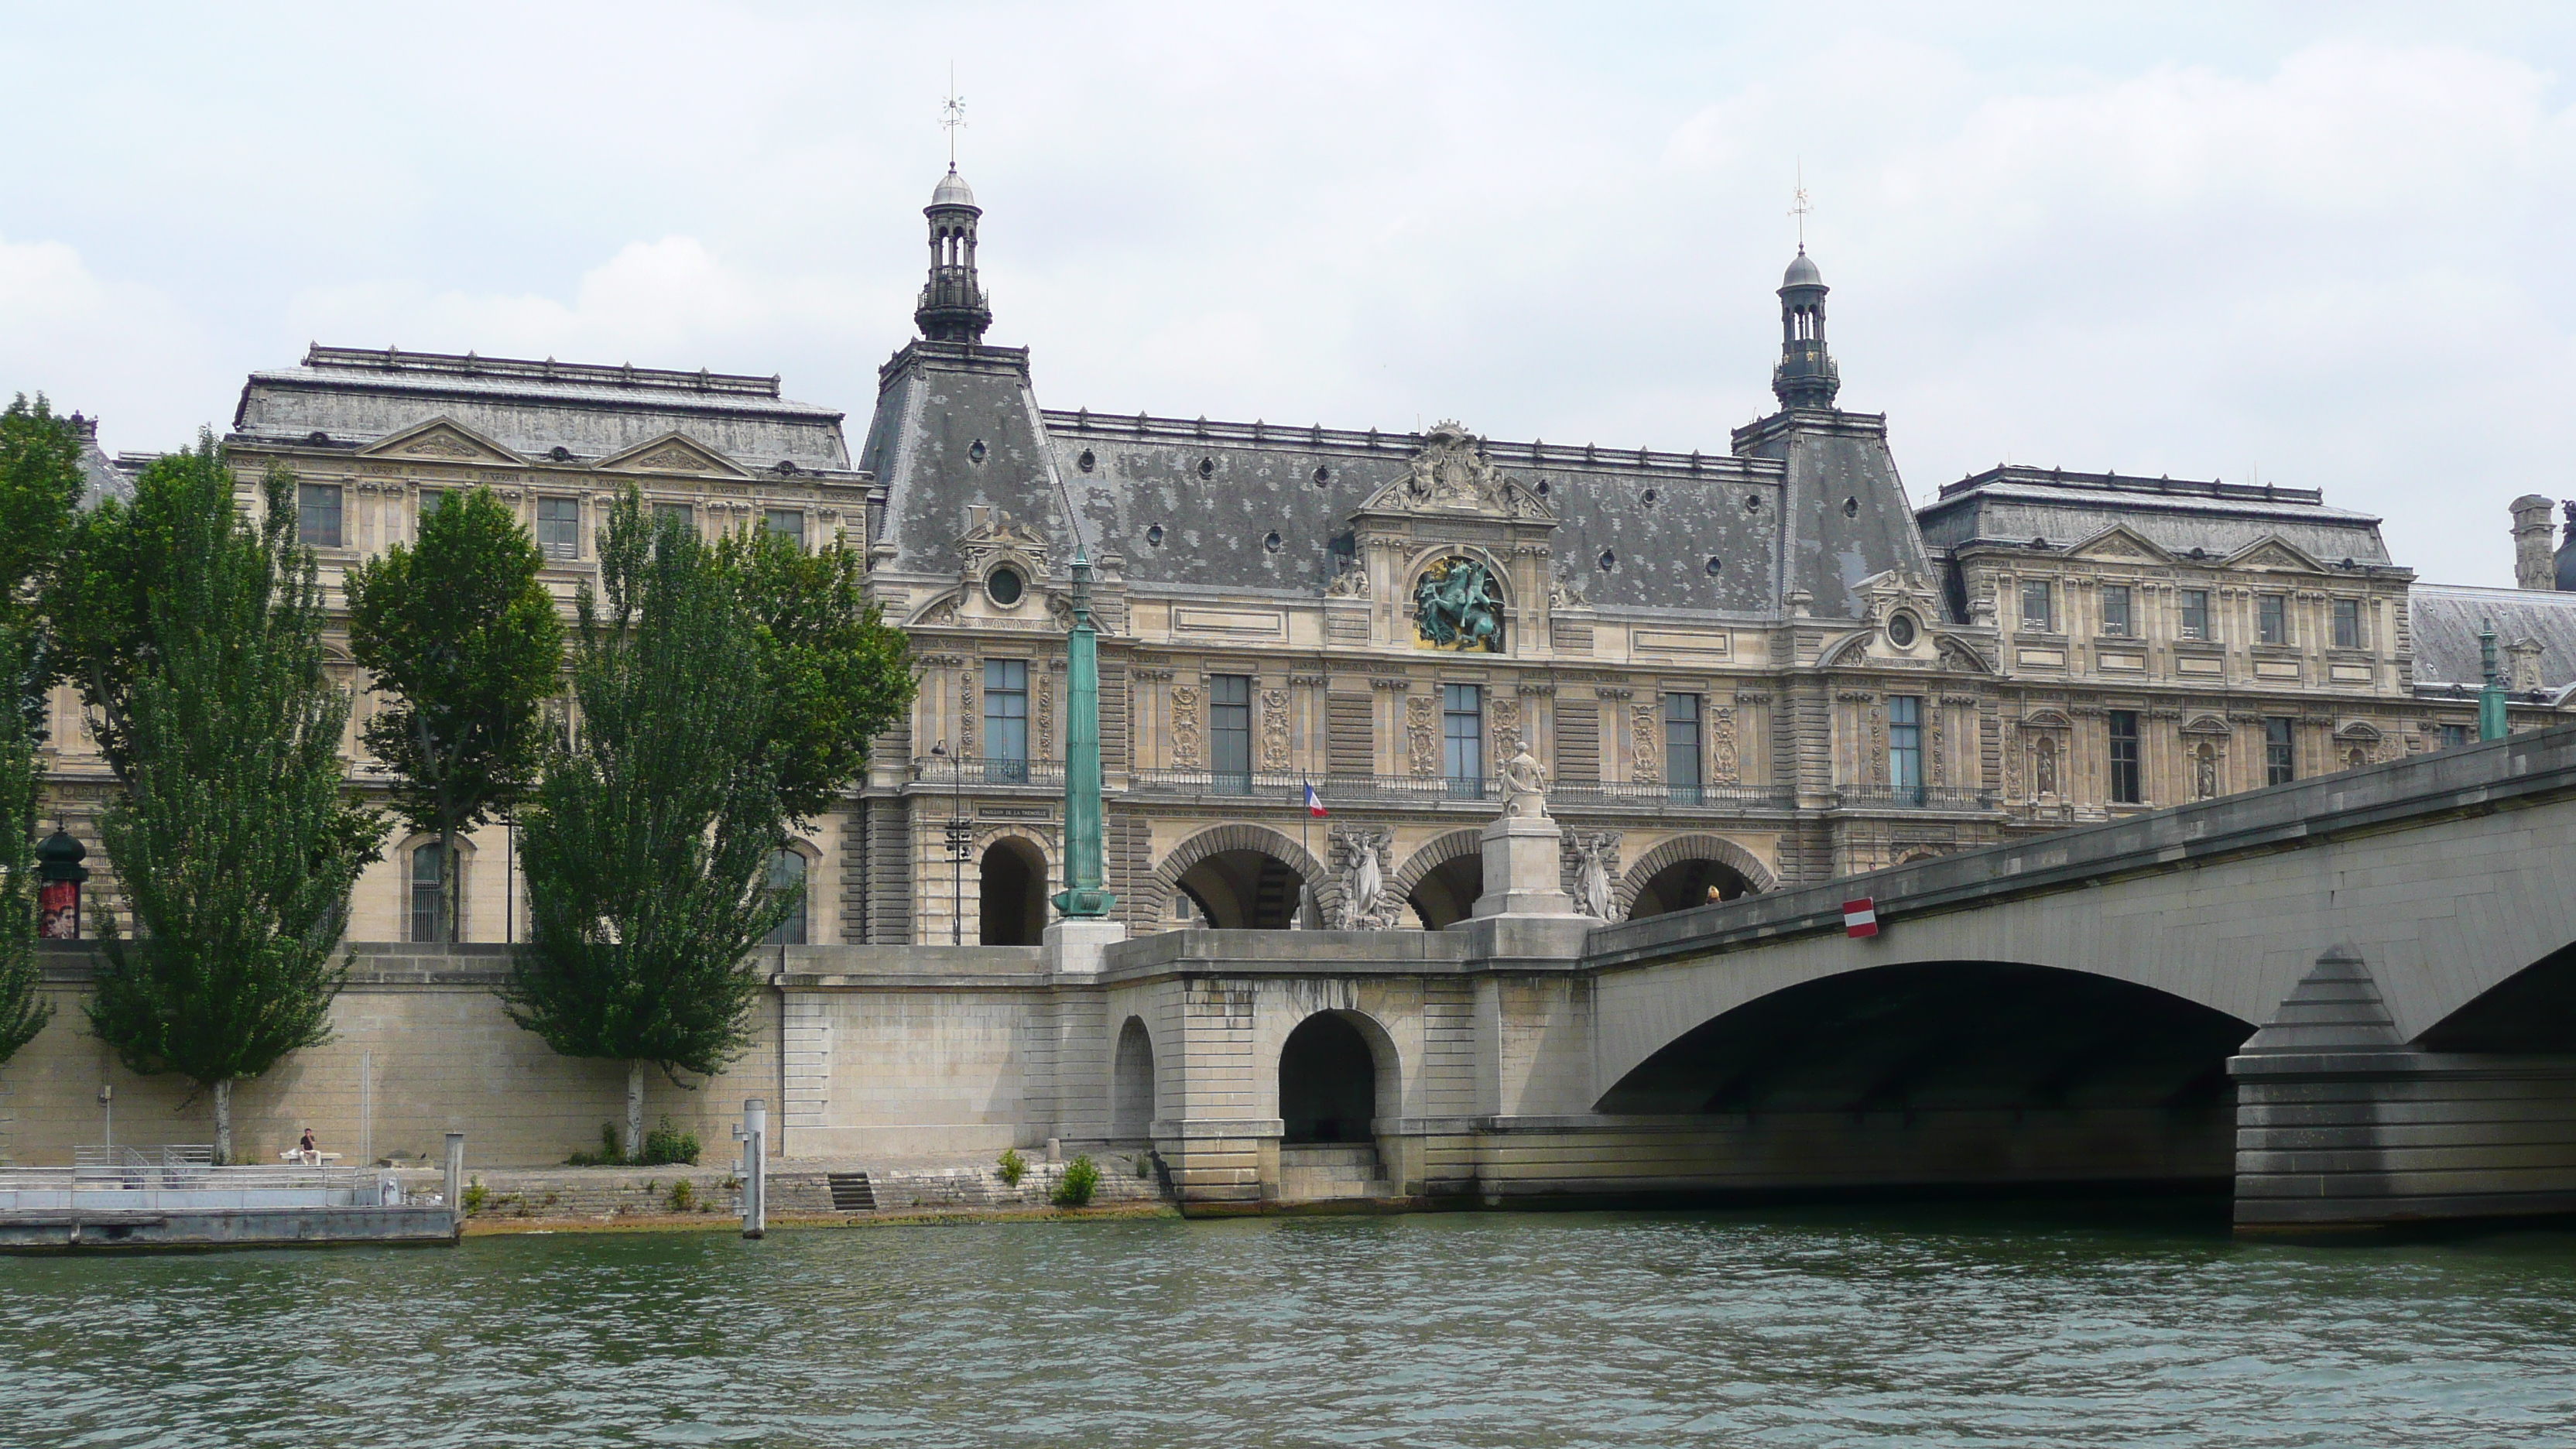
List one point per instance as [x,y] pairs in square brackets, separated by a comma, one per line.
[1131,1084]
[1327,1082]
[1013,883]
[1244,890]
[1687,883]
[1447,893]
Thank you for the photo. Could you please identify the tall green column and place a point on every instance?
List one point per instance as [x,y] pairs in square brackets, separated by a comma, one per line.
[1082,897]
[2491,724]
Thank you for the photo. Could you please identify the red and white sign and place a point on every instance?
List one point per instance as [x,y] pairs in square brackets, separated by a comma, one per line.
[1860,917]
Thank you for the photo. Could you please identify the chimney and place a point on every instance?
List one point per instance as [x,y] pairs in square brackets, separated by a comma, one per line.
[2533,566]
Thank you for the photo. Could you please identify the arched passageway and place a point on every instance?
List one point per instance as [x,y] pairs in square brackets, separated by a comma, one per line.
[1013,878]
[2531,1011]
[1327,1082]
[1687,883]
[1131,1084]
[1244,890]
[1961,1073]
[1447,894]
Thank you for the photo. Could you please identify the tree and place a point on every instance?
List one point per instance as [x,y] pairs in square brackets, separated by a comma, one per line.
[838,674]
[235,842]
[40,486]
[647,847]
[466,641]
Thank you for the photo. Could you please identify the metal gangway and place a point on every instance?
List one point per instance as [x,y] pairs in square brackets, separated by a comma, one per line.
[183,1177]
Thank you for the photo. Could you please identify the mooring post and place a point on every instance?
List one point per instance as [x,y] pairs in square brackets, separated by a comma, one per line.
[456,1176]
[755,1168]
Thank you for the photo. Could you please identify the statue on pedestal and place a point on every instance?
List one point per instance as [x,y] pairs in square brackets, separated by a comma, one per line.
[1524,784]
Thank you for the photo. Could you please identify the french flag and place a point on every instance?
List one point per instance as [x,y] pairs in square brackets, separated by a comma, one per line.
[1314,802]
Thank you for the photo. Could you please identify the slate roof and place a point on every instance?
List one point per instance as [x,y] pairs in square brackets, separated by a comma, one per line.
[355,396]
[103,477]
[2016,505]
[2447,617]
[1219,491]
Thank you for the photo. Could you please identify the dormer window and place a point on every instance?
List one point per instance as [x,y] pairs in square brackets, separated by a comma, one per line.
[1004,586]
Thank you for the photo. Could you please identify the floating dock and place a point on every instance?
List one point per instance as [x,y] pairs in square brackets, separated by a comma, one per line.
[147,1203]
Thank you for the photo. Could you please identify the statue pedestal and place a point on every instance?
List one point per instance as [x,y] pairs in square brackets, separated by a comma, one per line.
[1074,946]
[1522,873]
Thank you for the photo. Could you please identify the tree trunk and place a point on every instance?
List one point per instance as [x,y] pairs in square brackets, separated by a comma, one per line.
[634,1111]
[450,895]
[224,1121]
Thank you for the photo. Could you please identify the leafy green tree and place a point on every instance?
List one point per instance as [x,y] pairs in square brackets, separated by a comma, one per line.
[647,846]
[236,841]
[838,674]
[465,639]
[40,486]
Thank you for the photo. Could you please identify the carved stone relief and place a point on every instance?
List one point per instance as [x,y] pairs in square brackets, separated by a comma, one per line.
[1274,730]
[1723,761]
[1503,722]
[1422,735]
[1363,856]
[1646,762]
[1185,727]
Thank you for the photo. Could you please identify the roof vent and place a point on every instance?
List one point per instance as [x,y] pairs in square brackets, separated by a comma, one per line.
[1609,561]
[1154,535]
[975,453]
[1715,565]
[1086,462]
[786,467]
[560,453]
[317,436]
[1542,488]
[1650,495]
[1851,508]
[1753,503]
[1207,467]
[1273,542]
[1323,477]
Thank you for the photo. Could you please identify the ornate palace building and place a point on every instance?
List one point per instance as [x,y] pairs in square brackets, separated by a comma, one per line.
[1738,668]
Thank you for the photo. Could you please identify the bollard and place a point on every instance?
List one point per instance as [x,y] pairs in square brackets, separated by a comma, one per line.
[456,1177]
[755,1168]
[1055,1149]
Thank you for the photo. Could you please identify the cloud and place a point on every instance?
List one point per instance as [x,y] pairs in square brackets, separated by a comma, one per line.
[117,350]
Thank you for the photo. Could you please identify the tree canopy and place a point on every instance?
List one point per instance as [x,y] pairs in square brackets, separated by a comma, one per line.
[40,486]
[837,674]
[463,640]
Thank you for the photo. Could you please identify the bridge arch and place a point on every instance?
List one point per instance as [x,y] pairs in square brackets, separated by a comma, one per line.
[1339,1072]
[1245,877]
[1684,850]
[2531,1011]
[1442,879]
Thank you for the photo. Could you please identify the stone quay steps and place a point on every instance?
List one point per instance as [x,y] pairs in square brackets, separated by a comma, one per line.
[1316,1173]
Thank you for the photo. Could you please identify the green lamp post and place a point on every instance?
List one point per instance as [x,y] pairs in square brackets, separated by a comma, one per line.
[2490,699]
[1082,897]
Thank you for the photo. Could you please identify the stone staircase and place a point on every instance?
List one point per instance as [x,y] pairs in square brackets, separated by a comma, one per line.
[851,1193]
[1317,1172]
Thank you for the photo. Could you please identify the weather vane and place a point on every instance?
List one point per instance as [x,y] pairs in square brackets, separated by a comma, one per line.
[952,115]
[1800,207]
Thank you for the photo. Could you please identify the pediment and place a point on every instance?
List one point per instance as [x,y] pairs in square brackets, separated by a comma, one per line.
[672,452]
[2046,719]
[2274,554]
[2207,724]
[2120,541]
[2359,731]
[1451,475]
[443,440]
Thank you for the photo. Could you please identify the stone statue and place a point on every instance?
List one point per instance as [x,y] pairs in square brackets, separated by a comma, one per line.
[1592,874]
[1364,898]
[1350,583]
[1524,784]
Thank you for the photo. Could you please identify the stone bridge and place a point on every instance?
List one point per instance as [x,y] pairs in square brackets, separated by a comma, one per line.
[2353,997]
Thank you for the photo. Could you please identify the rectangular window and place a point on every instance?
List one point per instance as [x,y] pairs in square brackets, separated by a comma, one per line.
[1462,740]
[786,523]
[424,894]
[1905,746]
[559,527]
[1006,721]
[2280,762]
[2037,612]
[1230,732]
[2115,609]
[2454,736]
[2124,757]
[681,511]
[431,500]
[317,514]
[2195,614]
[2271,619]
[787,872]
[2347,623]
[1681,747]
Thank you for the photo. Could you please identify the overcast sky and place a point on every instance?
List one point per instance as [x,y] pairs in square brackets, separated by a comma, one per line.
[2327,246]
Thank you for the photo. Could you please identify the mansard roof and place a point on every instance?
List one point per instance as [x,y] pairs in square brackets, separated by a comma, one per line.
[2446,619]
[2014,505]
[355,397]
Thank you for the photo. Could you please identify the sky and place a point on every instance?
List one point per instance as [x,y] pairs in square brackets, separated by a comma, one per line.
[2319,246]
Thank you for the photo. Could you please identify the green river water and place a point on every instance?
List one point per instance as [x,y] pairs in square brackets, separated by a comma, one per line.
[1809,1326]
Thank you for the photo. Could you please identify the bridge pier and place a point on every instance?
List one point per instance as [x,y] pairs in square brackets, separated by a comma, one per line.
[2342,1126]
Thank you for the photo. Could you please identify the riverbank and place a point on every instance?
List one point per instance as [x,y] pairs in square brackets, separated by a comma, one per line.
[802,1192]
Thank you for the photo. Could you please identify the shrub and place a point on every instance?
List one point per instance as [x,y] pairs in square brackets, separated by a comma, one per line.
[665,1144]
[606,1156]
[1013,1166]
[1081,1180]
[475,1196]
[683,1196]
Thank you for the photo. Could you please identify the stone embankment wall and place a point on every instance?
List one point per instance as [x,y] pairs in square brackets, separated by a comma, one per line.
[607,1194]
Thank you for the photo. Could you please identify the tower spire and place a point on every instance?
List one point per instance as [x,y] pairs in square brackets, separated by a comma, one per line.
[953,305]
[1806,376]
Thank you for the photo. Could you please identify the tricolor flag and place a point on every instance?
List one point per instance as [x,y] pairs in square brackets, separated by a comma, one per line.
[1314,802]
[1860,917]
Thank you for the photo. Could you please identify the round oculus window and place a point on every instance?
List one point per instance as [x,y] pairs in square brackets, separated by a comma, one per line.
[1900,631]
[1004,586]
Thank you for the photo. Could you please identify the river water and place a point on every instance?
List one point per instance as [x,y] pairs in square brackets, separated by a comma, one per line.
[1811,1326]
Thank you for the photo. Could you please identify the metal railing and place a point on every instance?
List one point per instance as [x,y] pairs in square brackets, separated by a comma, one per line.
[1648,794]
[972,772]
[1912,797]
[1288,785]
[142,1185]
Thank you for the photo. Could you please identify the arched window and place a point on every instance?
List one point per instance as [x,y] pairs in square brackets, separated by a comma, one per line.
[787,872]
[426,924]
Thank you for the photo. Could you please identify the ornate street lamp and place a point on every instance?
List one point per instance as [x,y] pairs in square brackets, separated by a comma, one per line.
[59,877]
